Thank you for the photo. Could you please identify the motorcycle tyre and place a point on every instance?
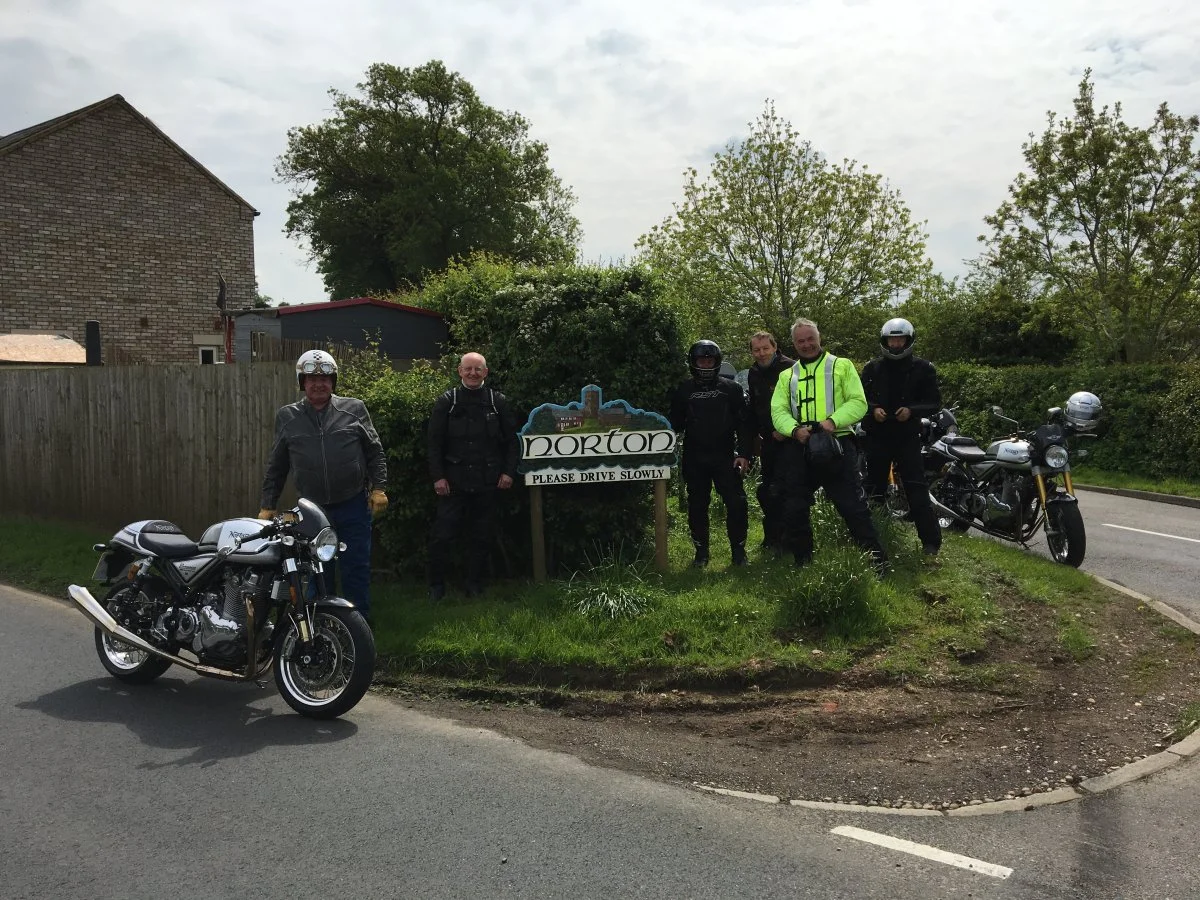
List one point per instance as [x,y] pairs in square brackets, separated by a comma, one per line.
[143,672]
[360,676]
[1070,523]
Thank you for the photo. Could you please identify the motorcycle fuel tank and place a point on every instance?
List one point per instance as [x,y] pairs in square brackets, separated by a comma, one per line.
[1009,452]
[223,534]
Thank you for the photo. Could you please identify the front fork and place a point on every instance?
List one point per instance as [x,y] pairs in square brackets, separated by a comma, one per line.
[300,612]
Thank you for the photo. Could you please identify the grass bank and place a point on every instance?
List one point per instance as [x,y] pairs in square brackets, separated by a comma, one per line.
[623,624]
[1177,486]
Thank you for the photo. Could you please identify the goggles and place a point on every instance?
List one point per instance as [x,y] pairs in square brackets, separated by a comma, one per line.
[318,368]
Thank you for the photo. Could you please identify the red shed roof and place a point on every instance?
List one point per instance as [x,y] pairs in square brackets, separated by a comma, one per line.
[353,301]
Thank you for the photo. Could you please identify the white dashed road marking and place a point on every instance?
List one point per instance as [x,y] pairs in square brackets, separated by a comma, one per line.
[1155,533]
[924,850]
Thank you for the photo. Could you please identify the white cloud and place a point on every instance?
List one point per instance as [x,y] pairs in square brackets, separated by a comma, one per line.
[937,95]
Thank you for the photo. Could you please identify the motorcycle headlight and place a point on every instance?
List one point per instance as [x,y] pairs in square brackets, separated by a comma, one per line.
[1056,456]
[325,544]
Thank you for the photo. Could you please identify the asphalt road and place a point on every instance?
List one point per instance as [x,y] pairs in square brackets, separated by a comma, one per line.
[1147,546]
[218,790]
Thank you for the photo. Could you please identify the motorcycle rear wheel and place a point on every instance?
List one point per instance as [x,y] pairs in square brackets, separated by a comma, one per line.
[333,676]
[123,661]
[938,491]
[1069,545]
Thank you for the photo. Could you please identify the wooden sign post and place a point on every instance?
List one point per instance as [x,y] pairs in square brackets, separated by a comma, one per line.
[590,442]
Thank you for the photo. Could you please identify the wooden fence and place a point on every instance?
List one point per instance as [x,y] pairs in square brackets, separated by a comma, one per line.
[109,445]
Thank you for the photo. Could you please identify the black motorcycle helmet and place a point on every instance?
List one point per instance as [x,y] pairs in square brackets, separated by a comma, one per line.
[698,351]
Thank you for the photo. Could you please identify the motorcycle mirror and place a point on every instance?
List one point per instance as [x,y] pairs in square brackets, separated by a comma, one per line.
[1081,453]
[997,410]
[1054,412]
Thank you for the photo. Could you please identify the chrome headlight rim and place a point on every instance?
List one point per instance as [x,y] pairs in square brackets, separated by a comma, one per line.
[1056,456]
[325,545]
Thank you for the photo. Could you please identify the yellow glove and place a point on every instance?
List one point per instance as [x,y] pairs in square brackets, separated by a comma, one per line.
[378,502]
[265,514]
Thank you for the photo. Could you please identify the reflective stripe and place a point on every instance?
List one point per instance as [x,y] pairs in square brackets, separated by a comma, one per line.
[830,363]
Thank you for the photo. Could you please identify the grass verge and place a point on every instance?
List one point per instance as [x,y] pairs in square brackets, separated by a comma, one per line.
[974,618]
[1177,486]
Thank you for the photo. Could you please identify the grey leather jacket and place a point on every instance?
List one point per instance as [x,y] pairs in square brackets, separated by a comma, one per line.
[332,454]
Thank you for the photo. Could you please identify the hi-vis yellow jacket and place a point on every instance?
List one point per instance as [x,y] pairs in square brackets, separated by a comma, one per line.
[826,388]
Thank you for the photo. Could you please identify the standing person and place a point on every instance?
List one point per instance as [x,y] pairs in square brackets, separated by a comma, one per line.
[336,459]
[769,443]
[711,413]
[900,389]
[472,454]
[816,403]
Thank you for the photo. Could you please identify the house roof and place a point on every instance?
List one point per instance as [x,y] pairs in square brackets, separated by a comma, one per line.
[26,136]
[41,348]
[338,304]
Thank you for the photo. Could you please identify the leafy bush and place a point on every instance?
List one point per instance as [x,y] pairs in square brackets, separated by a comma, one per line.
[546,334]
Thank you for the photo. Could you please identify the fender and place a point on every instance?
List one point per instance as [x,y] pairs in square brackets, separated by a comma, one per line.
[331,600]
[1059,499]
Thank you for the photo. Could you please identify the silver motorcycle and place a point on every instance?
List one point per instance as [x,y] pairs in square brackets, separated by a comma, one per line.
[248,596]
[1020,484]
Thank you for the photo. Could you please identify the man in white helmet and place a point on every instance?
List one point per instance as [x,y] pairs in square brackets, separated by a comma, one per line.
[900,389]
[334,455]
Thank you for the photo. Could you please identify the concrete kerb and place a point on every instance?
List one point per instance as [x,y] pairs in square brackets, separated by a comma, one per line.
[1142,768]
[1173,499]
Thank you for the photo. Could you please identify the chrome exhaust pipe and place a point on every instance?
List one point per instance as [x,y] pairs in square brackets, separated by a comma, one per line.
[90,607]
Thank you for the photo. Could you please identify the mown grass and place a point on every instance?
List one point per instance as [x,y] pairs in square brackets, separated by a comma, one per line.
[622,622]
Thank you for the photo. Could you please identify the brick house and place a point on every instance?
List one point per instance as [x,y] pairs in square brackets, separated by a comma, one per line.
[102,216]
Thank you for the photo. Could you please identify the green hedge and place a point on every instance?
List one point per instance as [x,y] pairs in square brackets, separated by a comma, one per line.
[545,334]
[1147,428]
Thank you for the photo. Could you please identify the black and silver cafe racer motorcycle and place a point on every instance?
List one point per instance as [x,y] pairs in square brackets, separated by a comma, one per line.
[1020,483]
[249,596]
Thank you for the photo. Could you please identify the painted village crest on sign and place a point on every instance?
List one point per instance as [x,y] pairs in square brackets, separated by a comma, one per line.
[590,441]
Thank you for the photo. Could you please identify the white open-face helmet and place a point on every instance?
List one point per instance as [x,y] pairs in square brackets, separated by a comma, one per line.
[1083,410]
[897,328]
[315,362]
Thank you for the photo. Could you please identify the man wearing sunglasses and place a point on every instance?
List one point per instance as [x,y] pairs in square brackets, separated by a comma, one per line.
[335,457]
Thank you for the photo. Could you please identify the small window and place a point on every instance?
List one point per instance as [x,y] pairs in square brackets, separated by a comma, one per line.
[208,356]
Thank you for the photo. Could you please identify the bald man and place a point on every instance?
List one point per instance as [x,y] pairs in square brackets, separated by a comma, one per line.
[472,454]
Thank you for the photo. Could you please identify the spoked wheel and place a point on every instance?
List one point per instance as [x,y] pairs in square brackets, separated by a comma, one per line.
[326,677]
[1065,534]
[124,661]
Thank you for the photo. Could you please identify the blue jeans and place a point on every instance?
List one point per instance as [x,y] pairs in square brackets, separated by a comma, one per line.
[351,519]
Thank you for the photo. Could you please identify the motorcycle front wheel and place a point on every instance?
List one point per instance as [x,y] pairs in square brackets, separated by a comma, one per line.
[329,676]
[124,661]
[1069,542]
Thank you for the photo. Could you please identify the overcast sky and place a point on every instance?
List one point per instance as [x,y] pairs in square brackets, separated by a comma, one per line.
[936,95]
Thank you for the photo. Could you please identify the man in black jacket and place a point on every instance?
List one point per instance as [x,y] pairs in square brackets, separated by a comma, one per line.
[333,453]
[900,389]
[769,443]
[711,413]
[472,454]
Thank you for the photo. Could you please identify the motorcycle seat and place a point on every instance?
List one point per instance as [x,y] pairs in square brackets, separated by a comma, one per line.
[165,539]
[967,452]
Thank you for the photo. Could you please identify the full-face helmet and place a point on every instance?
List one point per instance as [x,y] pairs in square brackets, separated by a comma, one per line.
[897,328]
[315,362]
[704,350]
[1083,411]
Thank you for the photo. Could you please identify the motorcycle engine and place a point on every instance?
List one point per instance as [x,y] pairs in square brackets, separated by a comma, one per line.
[218,629]
[1000,504]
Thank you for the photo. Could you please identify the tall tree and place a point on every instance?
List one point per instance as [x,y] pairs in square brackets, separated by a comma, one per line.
[1106,218]
[417,171]
[776,231]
